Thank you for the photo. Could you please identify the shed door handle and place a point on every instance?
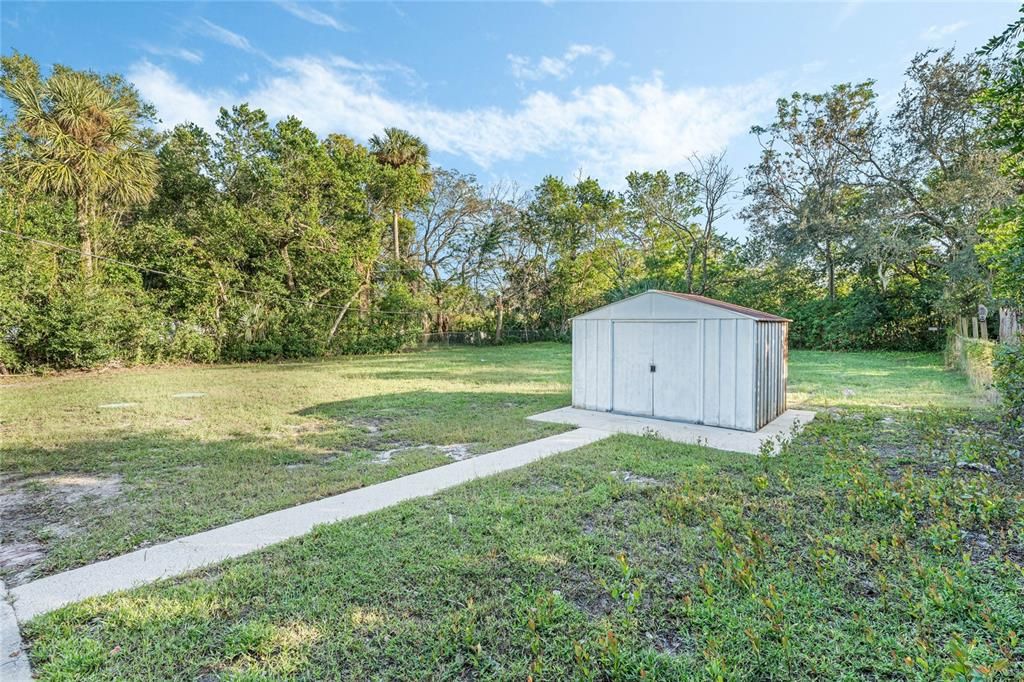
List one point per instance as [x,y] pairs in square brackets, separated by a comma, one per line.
[654,368]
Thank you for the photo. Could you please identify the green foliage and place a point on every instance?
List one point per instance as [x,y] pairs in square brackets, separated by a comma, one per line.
[898,319]
[259,240]
[1008,373]
[1002,252]
[975,358]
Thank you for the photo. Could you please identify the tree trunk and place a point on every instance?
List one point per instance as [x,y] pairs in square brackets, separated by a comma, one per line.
[704,269]
[341,314]
[1009,326]
[289,272]
[830,268]
[691,256]
[85,239]
[501,320]
[394,231]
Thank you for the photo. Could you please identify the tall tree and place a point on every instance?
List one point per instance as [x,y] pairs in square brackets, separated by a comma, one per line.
[715,181]
[803,196]
[83,140]
[660,205]
[404,152]
[576,223]
[931,178]
[451,237]
[1001,249]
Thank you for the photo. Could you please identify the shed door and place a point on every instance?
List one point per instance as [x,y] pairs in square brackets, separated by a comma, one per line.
[656,369]
[677,380]
[632,386]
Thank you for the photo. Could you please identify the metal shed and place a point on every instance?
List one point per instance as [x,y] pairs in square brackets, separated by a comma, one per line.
[682,357]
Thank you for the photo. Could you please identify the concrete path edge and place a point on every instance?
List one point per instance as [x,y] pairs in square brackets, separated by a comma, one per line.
[210,547]
[14,665]
[750,442]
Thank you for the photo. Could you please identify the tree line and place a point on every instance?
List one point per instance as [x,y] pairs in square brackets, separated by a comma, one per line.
[870,226]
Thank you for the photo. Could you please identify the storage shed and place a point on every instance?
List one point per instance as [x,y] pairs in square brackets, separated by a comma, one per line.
[682,357]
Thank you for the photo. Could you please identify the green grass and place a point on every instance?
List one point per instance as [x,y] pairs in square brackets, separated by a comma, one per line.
[264,437]
[862,551]
[91,482]
[877,379]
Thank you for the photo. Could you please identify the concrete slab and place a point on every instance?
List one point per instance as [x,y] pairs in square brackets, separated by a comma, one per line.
[749,442]
[14,665]
[189,553]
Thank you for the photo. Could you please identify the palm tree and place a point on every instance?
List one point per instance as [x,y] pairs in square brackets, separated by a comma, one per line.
[82,140]
[401,149]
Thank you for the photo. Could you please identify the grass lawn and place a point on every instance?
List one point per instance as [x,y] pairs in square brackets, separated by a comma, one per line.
[885,542]
[82,482]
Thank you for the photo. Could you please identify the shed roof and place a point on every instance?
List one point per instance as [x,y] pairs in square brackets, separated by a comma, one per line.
[604,312]
[742,310]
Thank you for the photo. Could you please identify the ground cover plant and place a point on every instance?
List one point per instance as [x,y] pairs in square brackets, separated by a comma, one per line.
[885,542]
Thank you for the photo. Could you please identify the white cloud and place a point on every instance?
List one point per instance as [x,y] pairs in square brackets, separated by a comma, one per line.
[312,15]
[524,68]
[191,56]
[605,130]
[175,102]
[223,35]
[935,33]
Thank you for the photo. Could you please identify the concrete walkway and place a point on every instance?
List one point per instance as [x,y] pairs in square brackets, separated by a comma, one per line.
[14,665]
[189,553]
[784,426]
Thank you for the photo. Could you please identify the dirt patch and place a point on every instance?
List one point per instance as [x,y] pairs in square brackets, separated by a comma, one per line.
[670,643]
[455,452]
[583,591]
[636,479]
[37,510]
[370,425]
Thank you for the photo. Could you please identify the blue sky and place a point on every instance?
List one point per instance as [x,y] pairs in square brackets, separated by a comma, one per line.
[509,91]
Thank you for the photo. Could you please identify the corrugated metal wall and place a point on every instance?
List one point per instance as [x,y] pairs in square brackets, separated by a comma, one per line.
[728,380]
[770,366]
[741,377]
[591,364]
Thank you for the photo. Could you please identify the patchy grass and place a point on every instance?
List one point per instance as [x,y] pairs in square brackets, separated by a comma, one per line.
[884,542]
[191,448]
[95,465]
[867,549]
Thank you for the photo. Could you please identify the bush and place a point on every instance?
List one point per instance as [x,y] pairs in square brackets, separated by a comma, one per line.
[1008,373]
[190,342]
[865,319]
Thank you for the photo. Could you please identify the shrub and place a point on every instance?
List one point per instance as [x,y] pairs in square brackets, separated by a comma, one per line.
[1008,372]
[864,319]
